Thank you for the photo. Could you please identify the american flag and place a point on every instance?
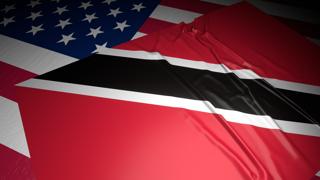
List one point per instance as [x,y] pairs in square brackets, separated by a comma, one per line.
[39,36]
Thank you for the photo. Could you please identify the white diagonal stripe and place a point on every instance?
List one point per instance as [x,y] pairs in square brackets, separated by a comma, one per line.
[220,68]
[31,58]
[11,128]
[262,121]
[173,15]
[294,86]
[138,35]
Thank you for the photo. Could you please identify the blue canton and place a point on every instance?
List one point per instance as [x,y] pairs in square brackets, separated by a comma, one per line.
[74,27]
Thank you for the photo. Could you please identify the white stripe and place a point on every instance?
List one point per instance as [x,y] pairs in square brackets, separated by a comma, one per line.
[128,53]
[294,86]
[172,60]
[138,35]
[302,128]
[169,101]
[318,174]
[30,57]
[220,68]
[11,128]
[173,15]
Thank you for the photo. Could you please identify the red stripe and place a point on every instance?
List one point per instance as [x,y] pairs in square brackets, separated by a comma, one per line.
[151,25]
[9,76]
[14,166]
[82,137]
[191,5]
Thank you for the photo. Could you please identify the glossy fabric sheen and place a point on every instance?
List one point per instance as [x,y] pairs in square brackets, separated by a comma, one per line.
[74,136]
[86,137]
[225,91]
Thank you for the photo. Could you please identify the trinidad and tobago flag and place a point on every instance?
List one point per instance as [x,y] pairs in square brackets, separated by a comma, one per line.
[232,95]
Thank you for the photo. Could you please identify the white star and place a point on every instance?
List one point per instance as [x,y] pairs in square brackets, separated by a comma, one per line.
[61,10]
[85,5]
[121,26]
[66,38]
[114,12]
[33,3]
[8,8]
[95,32]
[63,23]
[6,21]
[108,1]
[34,16]
[35,29]
[99,48]
[89,18]
[138,7]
